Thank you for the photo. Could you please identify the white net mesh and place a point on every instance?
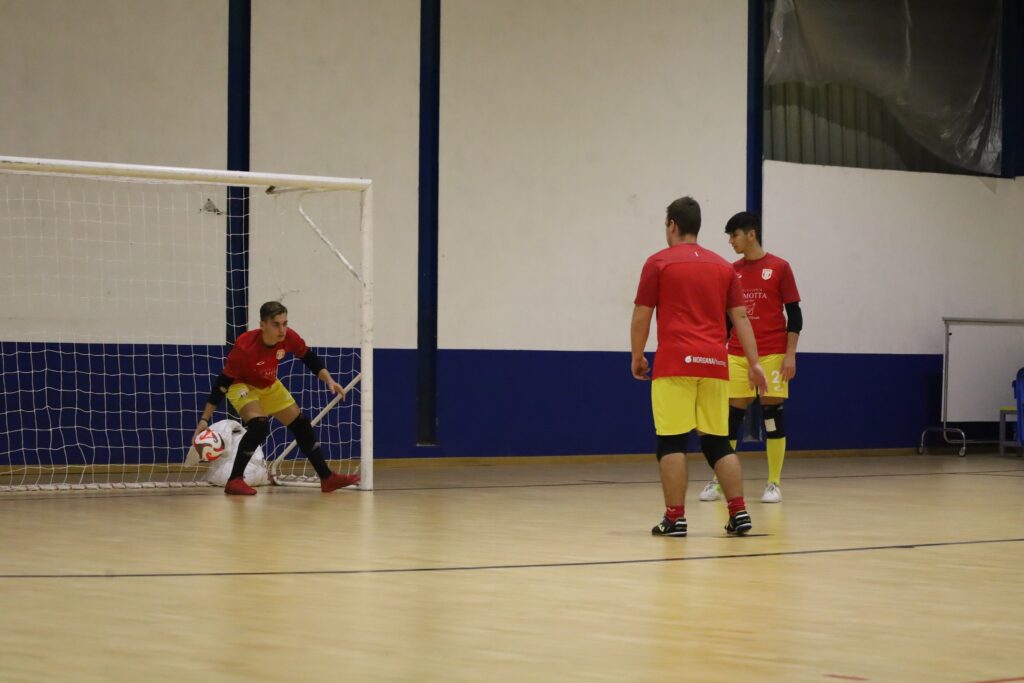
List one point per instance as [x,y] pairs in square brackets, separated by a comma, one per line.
[116,299]
[323,298]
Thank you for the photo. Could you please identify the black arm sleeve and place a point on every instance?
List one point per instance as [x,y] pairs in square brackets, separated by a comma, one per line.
[220,388]
[794,318]
[313,362]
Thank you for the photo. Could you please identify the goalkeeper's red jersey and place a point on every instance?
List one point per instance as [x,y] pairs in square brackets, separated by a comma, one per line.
[691,289]
[253,362]
[768,285]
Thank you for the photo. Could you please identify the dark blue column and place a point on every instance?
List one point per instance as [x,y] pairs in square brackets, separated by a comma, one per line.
[755,103]
[1013,88]
[426,339]
[239,50]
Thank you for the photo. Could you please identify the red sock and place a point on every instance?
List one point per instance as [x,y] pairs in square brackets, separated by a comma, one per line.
[736,505]
[674,513]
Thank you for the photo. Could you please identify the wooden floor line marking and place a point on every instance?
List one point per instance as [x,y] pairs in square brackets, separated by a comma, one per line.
[549,565]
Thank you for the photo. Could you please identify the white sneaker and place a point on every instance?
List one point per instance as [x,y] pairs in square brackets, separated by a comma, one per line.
[772,494]
[711,491]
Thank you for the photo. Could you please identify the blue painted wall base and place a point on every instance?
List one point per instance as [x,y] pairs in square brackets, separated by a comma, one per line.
[565,403]
[87,401]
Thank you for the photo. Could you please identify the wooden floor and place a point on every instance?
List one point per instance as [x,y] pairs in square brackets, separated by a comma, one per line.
[899,568]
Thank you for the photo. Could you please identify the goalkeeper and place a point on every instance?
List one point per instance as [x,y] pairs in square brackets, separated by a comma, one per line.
[249,380]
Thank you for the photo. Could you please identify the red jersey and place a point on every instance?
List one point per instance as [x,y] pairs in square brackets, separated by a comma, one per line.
[254,363]
[768,285]
[691,288]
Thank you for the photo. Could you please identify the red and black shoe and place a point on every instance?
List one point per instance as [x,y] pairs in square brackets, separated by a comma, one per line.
[669,528]
[739,524]
[337,481]
[238,487]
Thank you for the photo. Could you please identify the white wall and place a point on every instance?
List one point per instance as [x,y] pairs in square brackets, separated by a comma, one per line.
[107,80]
[882,256]
[567,126]
[335,91]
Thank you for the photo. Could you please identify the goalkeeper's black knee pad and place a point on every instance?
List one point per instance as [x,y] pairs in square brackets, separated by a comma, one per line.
[302,429]
[774,422]
[256,431]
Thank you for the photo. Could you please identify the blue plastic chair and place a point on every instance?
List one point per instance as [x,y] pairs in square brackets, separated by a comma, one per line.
[1018,395]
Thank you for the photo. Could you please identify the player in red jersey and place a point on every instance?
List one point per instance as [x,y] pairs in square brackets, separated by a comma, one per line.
[769,288]
[250,382]
[692,290]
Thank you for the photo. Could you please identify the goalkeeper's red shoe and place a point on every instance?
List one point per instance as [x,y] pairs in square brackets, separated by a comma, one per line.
[337,481]
[238,487]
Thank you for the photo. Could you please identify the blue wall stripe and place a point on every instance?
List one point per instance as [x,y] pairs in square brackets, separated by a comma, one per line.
[582,402]
[132,403]
[239,62]
[426,338]
[93,401]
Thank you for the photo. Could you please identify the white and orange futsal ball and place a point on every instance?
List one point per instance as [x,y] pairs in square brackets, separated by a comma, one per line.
[209,445]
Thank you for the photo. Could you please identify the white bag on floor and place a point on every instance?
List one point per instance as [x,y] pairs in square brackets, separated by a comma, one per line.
[220,469]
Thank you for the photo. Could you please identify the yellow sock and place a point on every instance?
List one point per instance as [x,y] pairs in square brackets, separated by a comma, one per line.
[732,442]
[776,454]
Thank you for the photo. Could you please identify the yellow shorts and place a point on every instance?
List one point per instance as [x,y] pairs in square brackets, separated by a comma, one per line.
[739,385]
[273,399]
[682,404]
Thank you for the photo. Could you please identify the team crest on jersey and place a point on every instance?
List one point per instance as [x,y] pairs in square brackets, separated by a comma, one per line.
[280,353]
[766,274]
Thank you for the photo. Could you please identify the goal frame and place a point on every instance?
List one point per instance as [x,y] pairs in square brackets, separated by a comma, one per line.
[270,182]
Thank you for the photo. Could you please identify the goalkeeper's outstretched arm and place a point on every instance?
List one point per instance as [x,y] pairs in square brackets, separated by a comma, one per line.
[217,393]
[316,366]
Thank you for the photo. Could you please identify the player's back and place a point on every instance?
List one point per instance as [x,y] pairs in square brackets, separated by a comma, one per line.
[694,289]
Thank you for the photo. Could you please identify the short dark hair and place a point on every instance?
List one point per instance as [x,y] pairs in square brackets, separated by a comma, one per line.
[746,221]
[271,309]
[685,213]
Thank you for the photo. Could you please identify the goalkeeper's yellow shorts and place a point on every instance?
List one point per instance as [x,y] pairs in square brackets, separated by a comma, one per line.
[273,399]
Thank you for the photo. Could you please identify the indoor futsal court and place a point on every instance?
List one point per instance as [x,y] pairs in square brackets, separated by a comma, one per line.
[501,341]
[898,568]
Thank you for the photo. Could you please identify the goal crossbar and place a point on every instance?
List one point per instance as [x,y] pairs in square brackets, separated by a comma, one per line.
[173,173]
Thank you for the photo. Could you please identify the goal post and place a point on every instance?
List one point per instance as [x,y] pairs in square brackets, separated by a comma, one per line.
[115,279]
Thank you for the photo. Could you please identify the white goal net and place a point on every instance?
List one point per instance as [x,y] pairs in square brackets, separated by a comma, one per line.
[122,287]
